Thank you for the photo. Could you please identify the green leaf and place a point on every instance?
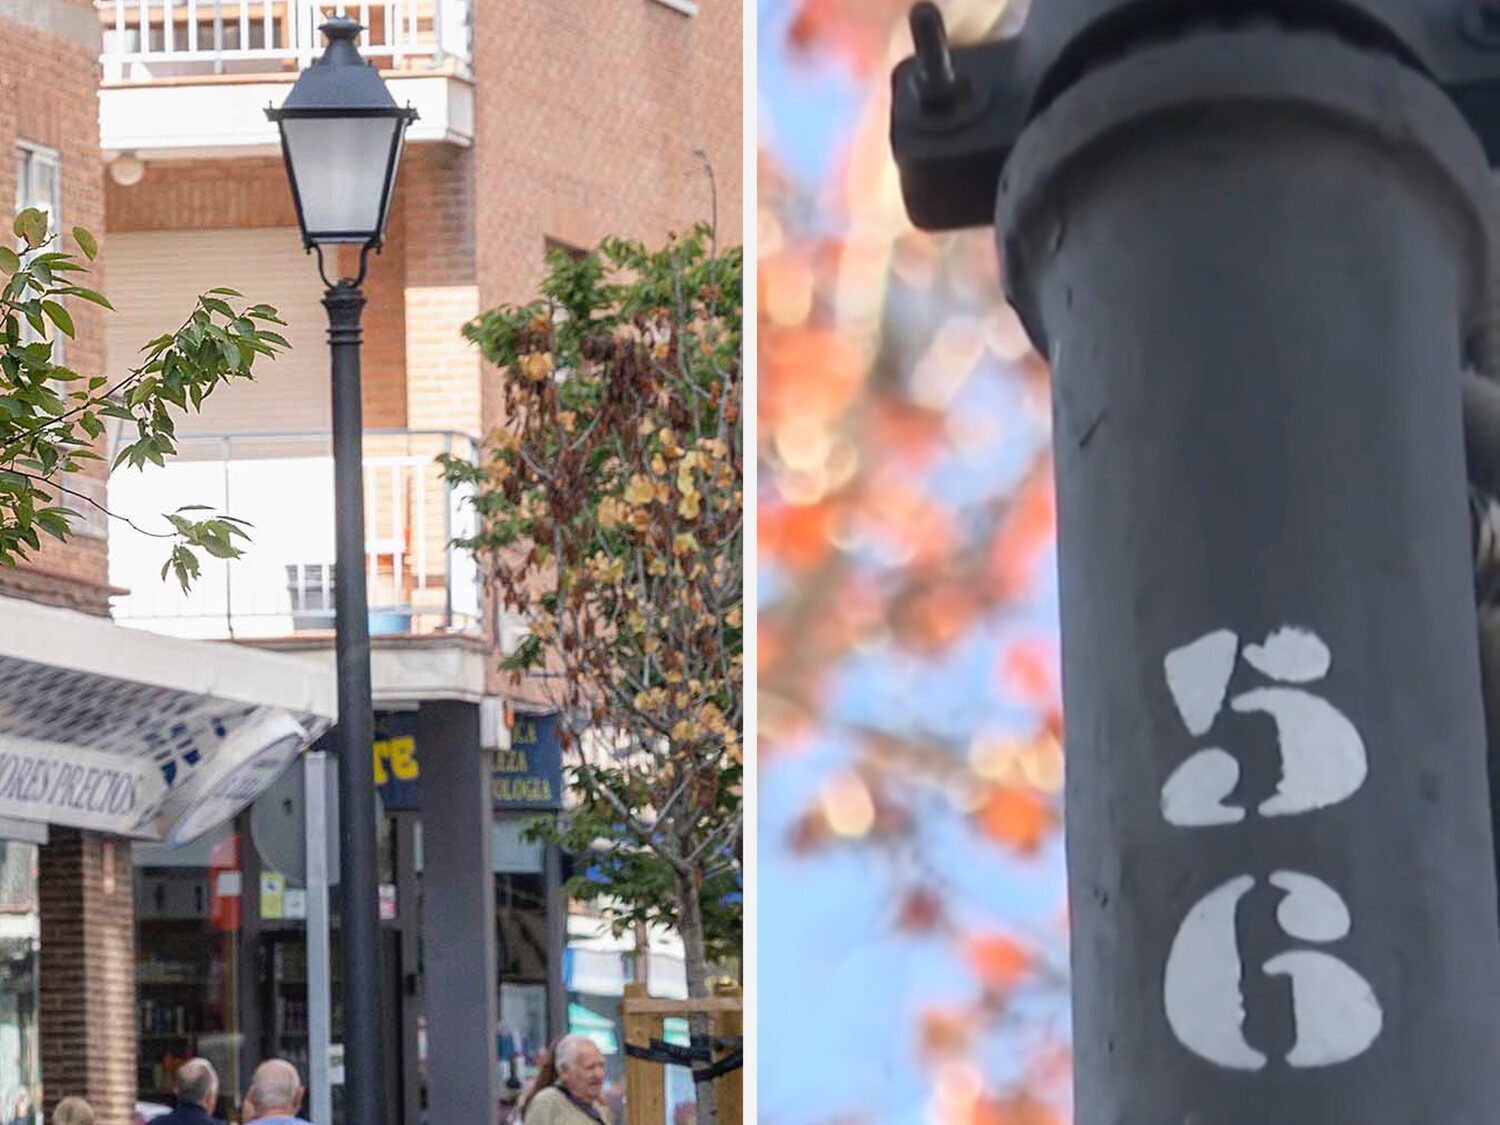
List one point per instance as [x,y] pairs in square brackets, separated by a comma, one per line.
[91,424]
[31,225]
[9,261]
[86,243]
[54,521]
[59,316]
[89,295]
[226,291]
[218,306]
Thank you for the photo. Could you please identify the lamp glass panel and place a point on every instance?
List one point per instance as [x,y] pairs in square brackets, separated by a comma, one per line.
[340,165]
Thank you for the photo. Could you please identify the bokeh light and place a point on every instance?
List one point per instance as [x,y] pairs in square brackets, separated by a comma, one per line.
[912,917]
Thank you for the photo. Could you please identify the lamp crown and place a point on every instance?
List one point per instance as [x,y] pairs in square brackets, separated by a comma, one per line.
[342,31]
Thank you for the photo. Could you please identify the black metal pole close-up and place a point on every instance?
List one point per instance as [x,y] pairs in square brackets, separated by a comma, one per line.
[354,734]
[1254,259]
[1257,244]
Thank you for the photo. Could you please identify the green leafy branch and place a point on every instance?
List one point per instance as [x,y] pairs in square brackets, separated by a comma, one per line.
[52,418]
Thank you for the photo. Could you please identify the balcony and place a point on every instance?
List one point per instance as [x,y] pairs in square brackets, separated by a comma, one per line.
[282,588]
[192,78]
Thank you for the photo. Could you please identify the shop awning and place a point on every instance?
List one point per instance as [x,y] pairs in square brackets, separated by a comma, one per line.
[157,738]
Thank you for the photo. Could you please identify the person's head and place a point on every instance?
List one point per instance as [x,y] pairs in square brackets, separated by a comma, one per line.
[198,1084]
[275,1089]
[580,1067]
[73,1111]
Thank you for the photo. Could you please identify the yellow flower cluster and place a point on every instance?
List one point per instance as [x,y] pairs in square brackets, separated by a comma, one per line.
[535,367]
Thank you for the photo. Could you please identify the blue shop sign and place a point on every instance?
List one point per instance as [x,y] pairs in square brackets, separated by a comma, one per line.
[527,776]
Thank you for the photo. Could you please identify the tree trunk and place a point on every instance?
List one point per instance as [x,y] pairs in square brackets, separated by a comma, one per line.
[690,928]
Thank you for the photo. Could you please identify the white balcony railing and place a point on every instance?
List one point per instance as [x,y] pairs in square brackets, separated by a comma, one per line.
[418,584]
[156,40]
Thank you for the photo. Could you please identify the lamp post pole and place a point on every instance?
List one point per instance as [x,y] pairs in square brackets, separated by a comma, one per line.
[1254,244]
[341,136]
[354,735]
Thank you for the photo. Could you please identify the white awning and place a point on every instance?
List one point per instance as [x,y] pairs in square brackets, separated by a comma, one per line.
[140,735]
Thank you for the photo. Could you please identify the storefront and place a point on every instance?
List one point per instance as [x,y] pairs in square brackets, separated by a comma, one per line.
[232,910]
[109,735]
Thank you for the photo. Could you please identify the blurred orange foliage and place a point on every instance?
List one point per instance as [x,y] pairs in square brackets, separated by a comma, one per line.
[1017,816]
[870,334]
[998,960]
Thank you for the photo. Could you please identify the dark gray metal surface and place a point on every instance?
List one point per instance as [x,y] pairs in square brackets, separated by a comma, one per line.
[355,731]
[1253,260]
[458,916]
[557,942]
[953,135]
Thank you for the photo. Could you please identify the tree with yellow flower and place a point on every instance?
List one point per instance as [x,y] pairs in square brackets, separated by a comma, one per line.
[612,512]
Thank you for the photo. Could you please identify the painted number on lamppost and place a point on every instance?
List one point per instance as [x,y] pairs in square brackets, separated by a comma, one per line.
[1335,1013]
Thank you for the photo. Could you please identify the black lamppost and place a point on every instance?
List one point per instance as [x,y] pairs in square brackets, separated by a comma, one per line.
[341,136]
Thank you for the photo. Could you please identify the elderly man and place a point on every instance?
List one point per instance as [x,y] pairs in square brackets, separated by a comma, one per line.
[197,1094]
[577,1098]
[275,1094]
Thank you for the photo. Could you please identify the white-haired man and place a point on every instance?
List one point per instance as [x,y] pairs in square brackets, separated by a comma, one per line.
[197,1095]
[275,1094]
[577,1096]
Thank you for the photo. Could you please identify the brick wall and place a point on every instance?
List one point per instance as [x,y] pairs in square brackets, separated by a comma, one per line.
[587,118]
[87,974]
[49,96]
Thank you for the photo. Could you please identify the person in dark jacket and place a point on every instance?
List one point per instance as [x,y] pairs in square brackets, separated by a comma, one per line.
[197,1094]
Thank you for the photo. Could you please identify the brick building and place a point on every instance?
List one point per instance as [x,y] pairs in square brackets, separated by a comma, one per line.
[541,124]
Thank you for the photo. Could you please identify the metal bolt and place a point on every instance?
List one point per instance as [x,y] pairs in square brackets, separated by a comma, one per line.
[939,87]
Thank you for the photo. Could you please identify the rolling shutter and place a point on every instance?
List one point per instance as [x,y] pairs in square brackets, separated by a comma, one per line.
[153,277]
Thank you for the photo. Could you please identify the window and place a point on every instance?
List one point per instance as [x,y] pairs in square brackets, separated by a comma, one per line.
[39,182]
[310,586]
[39,185]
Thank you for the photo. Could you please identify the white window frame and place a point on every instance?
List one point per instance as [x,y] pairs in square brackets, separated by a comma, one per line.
[28,155]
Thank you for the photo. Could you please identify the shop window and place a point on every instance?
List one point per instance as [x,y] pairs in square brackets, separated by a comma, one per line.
[188,921]
[20,1049]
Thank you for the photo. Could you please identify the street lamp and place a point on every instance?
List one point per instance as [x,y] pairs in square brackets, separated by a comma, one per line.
[341,137]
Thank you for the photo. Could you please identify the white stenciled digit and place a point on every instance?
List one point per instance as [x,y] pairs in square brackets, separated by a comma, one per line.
[1334,1009]
[1322,755]
[1202,990]
[1323,762]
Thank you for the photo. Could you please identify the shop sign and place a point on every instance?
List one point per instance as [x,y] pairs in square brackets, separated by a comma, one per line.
[251,759]
[272,895]
[64,785]
[526,776]
[395,752]
[117,756]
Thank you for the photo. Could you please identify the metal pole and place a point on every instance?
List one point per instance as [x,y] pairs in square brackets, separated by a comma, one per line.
[557,942]
[354,736]
[1254,258]
[319,989]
